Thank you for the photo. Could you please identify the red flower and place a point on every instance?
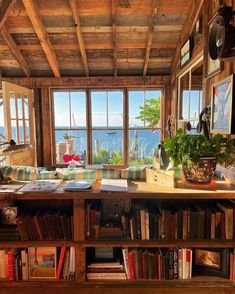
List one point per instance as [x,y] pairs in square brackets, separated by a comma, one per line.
[70,157]
[67,157]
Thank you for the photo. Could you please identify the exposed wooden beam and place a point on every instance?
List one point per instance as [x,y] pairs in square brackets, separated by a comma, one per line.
[114,35]
[15,50]
[104,46]
[98,29]
[31,7]
[150,36]
[74,8]
[93,82]
[5,10]
[196,15]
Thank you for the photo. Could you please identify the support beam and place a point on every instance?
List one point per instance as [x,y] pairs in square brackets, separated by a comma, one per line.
[150,36]
[15,50]
[36,21]
[5,10]
[74,8]
[114,31]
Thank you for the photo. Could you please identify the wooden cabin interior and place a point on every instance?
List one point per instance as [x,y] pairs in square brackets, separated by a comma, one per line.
[99,85]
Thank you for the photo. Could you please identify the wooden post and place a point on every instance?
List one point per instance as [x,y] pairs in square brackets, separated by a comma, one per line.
[79,235]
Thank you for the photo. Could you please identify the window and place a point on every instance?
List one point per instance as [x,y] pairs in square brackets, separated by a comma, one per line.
[95,125]
[144,133]
[190,95]
[107,127]
[70,124]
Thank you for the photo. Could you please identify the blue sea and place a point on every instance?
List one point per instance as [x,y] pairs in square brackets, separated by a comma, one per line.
[143,142]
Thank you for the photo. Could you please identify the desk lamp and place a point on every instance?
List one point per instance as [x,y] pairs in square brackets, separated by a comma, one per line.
[11,148]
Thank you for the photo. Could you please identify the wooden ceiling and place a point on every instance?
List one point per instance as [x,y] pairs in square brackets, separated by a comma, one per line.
[90,37]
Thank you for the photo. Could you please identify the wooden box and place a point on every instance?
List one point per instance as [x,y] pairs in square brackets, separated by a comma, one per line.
[163,178]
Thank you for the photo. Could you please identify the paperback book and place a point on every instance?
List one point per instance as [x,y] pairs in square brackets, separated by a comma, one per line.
[75,185]
[114,185]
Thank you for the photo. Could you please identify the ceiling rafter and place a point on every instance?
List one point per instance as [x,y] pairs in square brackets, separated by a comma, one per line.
[15,50]
[150,36]
[39,28]
[6,8]
[74,8]
[114,35]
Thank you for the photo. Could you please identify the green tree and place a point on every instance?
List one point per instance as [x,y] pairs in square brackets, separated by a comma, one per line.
[117,157]
[150,112]
[102,156]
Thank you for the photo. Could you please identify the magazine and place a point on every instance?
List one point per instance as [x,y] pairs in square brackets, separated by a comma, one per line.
[76,185]
[114,185]
[41,186]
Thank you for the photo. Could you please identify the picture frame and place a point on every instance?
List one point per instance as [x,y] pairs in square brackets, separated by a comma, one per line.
[186,52]
[42,262]
[222,107]
[211,262]
[213,67]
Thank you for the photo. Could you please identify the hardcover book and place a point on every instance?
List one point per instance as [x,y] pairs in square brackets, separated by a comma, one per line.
[76,185]
[114,185]
[42,262]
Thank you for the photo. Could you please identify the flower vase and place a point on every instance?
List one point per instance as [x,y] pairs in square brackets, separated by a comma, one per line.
[72,164]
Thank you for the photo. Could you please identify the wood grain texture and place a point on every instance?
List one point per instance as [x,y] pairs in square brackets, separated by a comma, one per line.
[74,8]
[31,7]
[5,9]
[15,50]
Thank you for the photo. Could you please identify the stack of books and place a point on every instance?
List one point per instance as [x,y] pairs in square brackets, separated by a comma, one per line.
[106,271]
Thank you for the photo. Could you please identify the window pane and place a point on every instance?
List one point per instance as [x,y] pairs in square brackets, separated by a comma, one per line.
[107,147]
[185,104]
[194,103]
[70,142]
[19,107]
[78,109]
[2,128]
[27,140]
[136,100]
[21,132]
[99,108]
[26,107]
[61,109]
[14,130]
[12,107]
[115,109]
[142,145]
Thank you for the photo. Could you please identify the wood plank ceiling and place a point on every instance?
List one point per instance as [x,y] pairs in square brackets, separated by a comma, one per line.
[90,37]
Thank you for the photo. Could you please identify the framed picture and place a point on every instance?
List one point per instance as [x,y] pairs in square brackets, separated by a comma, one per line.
[222,107]
[42,262]
[213,262]
[212,66]
[185,52]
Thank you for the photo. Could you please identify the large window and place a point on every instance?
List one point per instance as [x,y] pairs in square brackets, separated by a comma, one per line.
[144,125]
[106,126]
[190,95]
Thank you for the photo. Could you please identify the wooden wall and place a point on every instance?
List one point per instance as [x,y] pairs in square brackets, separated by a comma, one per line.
[207,11]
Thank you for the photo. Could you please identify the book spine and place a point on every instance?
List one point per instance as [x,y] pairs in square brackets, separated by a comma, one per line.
[126,262]
[180,264]
[131,265]
[61,261]
[10,262]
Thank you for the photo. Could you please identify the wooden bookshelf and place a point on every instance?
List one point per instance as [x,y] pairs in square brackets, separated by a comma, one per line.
[136,190]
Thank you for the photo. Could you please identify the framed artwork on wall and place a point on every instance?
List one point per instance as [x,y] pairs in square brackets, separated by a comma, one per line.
[222,107]
[211,262]
[212,66]
[185,52]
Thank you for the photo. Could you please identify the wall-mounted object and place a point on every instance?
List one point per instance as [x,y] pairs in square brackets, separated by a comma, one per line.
[222,35]
[186,52]
[222,107]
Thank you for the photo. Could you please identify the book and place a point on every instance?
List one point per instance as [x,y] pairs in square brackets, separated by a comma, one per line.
[114,185]
[42,262]
[61,261]
[41,186]
[75,185]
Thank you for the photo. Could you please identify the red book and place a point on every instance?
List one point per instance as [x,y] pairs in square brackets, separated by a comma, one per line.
[10,269]
[131,265]
[159,266]
[61,262]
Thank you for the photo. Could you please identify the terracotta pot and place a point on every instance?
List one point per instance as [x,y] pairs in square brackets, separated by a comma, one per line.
[202,172]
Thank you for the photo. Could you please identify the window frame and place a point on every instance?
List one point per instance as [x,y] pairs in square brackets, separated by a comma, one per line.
[181,120]
[125,129]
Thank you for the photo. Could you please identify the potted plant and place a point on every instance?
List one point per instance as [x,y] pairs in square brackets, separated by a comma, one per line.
[199,155]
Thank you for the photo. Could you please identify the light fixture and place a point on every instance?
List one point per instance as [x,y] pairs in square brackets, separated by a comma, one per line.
[11,147]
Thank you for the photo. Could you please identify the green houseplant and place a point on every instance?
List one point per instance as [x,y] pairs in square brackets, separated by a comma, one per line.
[199,155]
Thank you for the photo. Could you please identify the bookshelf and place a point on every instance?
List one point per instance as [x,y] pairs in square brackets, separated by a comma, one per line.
[136,191]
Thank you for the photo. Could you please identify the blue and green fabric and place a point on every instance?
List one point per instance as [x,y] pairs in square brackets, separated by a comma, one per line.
[134,173]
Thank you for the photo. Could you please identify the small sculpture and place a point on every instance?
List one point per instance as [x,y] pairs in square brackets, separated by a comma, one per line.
[203,125]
